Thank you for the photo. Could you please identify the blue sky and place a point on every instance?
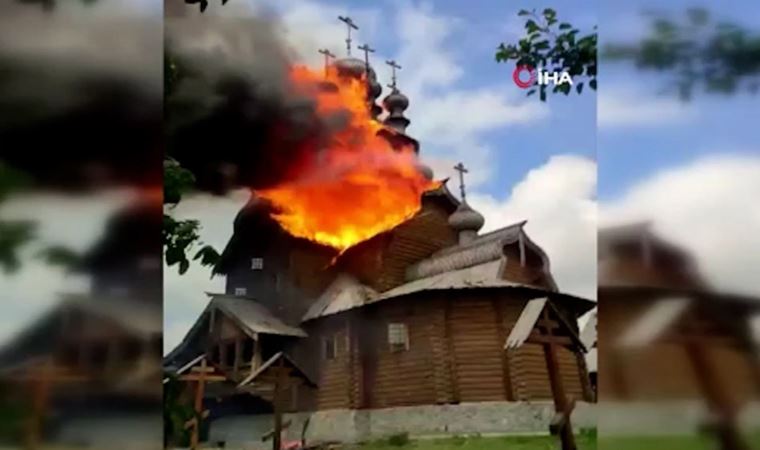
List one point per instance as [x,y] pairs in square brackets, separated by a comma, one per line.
[708,125]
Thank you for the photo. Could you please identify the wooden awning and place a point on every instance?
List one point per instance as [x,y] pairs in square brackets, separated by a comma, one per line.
[267,372]
[525,324]
[654,322]
[526,327]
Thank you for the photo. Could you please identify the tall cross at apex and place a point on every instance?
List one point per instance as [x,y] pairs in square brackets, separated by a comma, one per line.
[350,25]
[394,65]
[462,170]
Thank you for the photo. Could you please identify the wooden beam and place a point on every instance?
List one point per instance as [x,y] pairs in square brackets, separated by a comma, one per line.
[561,404]
[549,339]
[449,336]
[501,336]
[238,355]
[717,399]
[278,390]
[256,359]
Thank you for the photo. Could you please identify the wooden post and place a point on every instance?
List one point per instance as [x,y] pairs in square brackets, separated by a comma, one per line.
[715,397]
[238,356]
[562,406]
[279,386]
[256,359]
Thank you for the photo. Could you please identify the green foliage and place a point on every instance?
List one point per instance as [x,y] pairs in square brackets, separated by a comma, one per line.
[544,442]
[181,236]
[177,181]
[553,46]
[14,234]
[700,54]
[202,4]
[176,414]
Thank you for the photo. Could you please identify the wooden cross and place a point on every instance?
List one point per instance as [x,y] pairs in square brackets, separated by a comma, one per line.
[560,425]
[201,375]
[394,65]
[367,50]
[41,380]
[349,26]
[462,170]
[328,55]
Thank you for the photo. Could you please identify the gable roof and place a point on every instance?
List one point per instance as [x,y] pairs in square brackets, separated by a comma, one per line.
[252,317]
[345,292]
[476,265]
[485,248]
[270,363]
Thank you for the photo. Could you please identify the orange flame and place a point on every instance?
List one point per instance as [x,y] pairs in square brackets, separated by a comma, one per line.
[358,185]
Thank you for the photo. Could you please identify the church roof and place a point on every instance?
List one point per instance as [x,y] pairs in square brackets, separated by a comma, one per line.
[345,292]
[475,265]
[252,316]
[488,247]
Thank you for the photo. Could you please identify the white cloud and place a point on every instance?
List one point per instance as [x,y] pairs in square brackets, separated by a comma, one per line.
[625,108]
[711,208]
[557,200]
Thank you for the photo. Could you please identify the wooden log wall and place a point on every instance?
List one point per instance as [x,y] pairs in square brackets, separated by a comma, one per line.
[455,355]
[478,356]
[403,377]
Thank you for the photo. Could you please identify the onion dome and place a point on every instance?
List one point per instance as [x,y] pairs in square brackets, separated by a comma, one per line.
[350,66]
[396,103]
[466,219]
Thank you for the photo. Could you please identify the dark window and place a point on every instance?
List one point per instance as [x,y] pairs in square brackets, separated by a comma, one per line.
[247,350]
[331,347]
[215,354]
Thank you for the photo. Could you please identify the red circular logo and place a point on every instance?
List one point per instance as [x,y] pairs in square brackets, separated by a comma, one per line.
[519,70]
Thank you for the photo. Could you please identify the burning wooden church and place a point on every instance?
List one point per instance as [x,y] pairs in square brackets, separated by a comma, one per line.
[423,312]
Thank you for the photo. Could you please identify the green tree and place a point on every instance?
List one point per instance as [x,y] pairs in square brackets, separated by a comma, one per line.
[553,46]
[698,53]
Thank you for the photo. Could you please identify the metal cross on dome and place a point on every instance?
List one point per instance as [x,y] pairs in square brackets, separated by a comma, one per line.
[394,65]
[349,26]
[328,55]
[367,50]
[462,170]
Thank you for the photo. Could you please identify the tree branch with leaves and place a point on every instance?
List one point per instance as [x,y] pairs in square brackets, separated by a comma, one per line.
[553,45]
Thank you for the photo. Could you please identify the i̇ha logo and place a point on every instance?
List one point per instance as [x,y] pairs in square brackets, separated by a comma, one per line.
[526,76]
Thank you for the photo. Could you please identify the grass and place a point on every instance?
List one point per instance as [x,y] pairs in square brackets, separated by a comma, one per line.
[585,441]
[691,442]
